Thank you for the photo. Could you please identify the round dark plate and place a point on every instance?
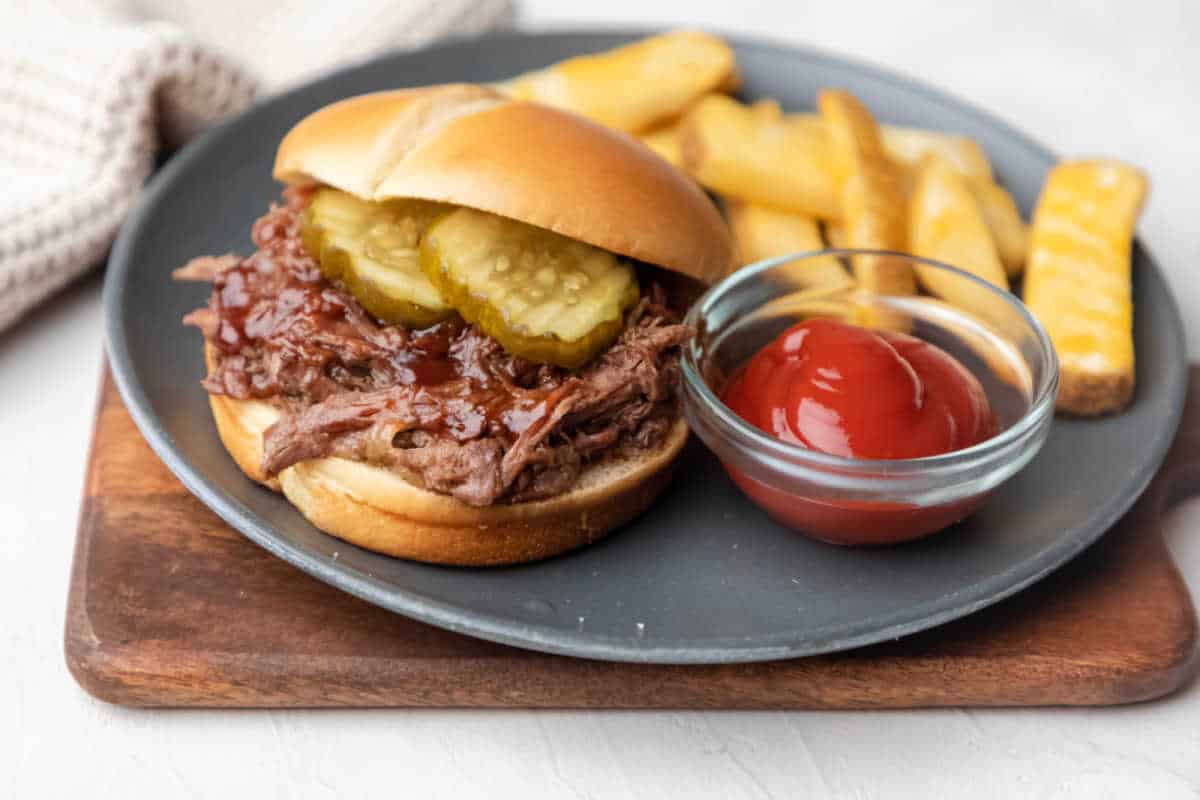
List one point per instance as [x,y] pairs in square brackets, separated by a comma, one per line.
[704,577]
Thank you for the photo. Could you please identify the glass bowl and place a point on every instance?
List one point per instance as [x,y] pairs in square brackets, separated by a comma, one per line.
[861,501]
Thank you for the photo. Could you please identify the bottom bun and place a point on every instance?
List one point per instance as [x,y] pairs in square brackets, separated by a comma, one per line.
[377,509]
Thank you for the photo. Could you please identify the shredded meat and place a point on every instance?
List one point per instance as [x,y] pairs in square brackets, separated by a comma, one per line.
[446,407]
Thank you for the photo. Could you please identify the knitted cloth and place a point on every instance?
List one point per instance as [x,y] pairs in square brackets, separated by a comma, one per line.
[86,107]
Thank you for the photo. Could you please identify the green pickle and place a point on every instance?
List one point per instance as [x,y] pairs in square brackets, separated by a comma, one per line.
[545,297]
[373,249]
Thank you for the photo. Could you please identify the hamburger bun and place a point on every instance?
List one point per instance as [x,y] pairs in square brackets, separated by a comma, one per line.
[471,146]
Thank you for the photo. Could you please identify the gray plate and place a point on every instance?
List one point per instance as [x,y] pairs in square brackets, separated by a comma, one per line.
[704,577]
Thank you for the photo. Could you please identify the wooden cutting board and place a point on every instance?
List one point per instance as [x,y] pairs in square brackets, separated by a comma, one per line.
[170,607]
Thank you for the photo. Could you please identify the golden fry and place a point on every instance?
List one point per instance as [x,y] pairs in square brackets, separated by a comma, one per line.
[871,198]
[763,232]
[945,224]
[854,137]
[767,110]
[636,86]
[1078,282]
[758,155]
[664,140]
[911,146]
[1003,219]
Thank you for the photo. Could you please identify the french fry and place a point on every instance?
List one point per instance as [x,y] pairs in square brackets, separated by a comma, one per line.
[1078,282]
[767,110]
[871,197]
[664,140]
[945,224]
[666,137]
[758,155]
[636,86]
[855,140]
[1003,219]
[912,146]
[909,146]
[762,232]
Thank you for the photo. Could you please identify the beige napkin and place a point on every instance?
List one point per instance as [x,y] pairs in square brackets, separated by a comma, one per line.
[90,92]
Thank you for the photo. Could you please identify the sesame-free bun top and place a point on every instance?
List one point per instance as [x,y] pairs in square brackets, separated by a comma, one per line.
[472,146]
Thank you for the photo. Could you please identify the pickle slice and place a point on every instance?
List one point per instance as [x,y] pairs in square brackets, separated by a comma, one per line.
[543,296]
[372,249]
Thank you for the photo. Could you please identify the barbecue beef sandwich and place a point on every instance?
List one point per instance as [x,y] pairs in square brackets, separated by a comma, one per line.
[452,343]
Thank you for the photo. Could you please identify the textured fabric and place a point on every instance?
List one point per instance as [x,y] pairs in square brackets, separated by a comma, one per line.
[86,106]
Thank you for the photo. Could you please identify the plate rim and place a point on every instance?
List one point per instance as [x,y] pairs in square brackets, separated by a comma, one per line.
[551,639]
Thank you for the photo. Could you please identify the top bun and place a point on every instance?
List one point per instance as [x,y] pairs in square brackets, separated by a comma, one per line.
[472,146]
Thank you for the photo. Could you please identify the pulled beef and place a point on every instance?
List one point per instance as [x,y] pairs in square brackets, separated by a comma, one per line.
[446,407]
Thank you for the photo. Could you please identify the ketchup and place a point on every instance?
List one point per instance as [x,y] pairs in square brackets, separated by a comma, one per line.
[865,394]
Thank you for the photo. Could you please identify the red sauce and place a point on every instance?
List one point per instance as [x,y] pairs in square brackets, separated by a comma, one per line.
[857,393]
[265,295]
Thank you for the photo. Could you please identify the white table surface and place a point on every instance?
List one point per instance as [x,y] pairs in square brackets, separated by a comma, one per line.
[1085,77]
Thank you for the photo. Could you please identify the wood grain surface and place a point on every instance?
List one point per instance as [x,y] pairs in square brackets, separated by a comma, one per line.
[171,607]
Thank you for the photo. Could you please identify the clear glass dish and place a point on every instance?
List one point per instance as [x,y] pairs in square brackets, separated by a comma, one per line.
[860,501]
